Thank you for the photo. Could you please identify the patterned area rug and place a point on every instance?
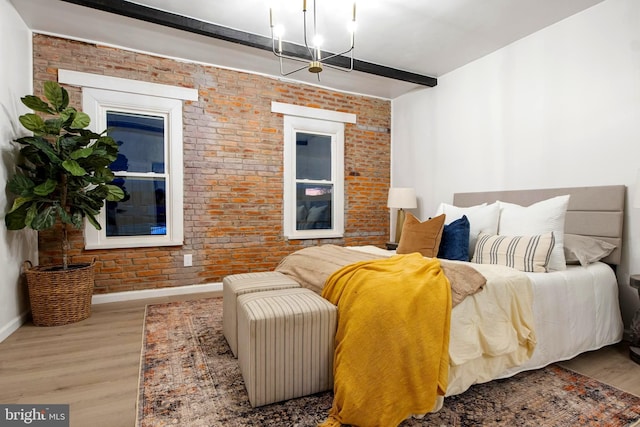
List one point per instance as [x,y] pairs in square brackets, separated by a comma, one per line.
[189,378]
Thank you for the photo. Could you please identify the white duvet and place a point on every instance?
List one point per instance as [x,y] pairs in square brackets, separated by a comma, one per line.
[575,310]
[510,327]
[491,330]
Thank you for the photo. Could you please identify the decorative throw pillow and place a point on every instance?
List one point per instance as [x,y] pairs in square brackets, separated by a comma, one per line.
[423,237]
[584,249]
[455,240]
[482,219]
[542,217]
[524,253]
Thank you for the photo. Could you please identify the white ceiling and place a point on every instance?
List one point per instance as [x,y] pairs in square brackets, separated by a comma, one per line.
[428,37]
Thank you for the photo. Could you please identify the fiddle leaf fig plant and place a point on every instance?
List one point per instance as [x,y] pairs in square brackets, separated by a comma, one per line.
[63,176]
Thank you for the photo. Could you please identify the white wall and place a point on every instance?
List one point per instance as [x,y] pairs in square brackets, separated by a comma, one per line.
[559,108]
[15,81]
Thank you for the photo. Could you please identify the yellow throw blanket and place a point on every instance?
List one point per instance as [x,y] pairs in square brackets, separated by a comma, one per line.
[391,358]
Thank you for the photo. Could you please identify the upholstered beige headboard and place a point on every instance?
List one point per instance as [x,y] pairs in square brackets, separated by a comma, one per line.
[593,211]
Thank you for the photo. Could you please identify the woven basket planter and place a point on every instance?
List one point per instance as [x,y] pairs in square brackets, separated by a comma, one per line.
[58,296]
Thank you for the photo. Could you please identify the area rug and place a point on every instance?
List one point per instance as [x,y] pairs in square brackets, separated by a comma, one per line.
[189,378]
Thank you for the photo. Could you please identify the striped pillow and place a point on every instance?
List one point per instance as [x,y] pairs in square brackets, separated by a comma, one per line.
[524,253]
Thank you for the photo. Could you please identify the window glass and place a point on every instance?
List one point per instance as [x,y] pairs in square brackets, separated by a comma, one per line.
[141,141]
[313,156]
[314,206]
[143,210]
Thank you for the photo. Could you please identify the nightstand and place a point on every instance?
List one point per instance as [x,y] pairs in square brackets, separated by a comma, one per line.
[634,348]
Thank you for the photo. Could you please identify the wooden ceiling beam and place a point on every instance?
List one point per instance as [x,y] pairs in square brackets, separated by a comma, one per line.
[168,19]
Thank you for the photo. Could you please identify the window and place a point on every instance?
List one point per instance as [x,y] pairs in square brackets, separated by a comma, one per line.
[149,168]
[140,171]
[313,172]
[146,121]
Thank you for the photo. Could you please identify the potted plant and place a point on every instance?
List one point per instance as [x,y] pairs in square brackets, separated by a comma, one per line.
[62,178]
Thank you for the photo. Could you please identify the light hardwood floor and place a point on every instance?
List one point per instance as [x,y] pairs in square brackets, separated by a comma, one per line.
[93,365]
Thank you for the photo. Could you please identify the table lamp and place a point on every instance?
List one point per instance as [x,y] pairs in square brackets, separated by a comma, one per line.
[401,198]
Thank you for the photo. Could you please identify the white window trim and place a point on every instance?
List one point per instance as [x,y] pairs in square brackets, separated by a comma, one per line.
[312,113]
[96,103]
[101,93]
[313,120]
[97,81]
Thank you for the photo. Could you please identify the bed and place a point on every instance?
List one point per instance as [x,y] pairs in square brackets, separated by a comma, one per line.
[574,309]
[577,309]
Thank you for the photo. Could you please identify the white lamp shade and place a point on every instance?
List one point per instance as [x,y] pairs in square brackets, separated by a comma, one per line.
[402,198]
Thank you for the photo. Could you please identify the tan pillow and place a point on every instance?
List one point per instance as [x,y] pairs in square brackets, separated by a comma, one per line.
[423,237]
[585,250]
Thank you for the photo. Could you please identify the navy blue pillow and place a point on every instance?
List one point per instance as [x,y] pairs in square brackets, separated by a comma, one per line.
[455,240]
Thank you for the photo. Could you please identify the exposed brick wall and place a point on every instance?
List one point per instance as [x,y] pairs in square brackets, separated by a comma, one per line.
[233,168]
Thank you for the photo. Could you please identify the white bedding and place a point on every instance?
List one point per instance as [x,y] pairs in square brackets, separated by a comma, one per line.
[574,311]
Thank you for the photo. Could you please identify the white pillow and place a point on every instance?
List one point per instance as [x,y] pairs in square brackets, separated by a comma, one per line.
[482,219]
[539,218]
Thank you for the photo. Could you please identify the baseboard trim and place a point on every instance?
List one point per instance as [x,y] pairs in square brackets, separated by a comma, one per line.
[13,325]
[155,293]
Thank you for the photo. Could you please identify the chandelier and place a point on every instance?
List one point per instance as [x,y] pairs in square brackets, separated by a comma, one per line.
[313,57]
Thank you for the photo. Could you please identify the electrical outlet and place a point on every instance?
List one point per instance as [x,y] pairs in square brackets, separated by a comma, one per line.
[188,260]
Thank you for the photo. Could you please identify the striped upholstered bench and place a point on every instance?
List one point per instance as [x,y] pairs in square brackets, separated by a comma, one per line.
[239,284]
[285,344]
